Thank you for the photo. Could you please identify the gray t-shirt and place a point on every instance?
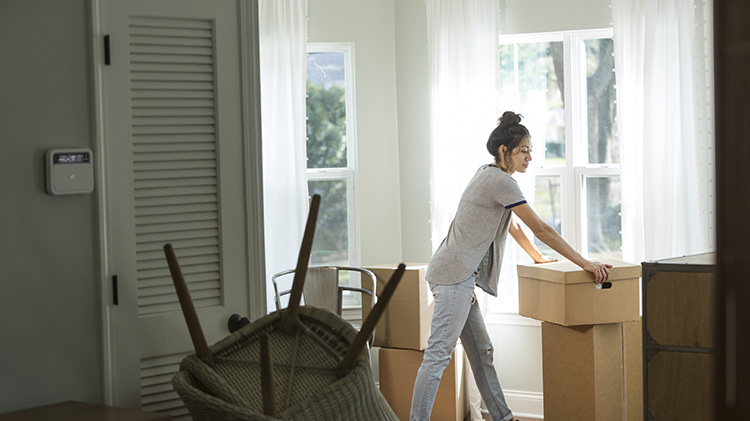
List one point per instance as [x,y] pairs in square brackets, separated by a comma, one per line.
[476,237]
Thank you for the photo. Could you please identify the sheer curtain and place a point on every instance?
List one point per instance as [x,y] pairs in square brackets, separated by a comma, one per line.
[283,49]
[462,62]
[663,80]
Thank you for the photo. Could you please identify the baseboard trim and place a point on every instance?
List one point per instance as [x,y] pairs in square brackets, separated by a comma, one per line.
[525,404]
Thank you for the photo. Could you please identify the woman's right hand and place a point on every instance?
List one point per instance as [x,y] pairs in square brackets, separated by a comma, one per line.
[600,271]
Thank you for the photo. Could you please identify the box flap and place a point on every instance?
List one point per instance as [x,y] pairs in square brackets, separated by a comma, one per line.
[566,272]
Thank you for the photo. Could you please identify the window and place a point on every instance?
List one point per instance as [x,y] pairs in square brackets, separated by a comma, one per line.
[564,86]
[331,154]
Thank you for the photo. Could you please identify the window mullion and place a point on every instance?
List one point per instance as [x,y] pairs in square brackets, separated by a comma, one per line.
[571,210]
[581,200]
[353,182]
[353,224]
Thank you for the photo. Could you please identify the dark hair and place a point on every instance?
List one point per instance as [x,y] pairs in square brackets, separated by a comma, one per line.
[509,132]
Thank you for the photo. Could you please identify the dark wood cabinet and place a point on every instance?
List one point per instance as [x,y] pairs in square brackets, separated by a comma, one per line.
[678,343]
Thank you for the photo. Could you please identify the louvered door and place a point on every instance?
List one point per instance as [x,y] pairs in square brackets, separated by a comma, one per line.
[174,170]
[174,137]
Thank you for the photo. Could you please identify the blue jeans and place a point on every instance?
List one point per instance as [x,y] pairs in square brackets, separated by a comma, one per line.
[457,314]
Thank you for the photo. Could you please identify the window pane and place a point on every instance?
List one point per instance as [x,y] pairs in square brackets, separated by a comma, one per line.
[603,217]
[326,110]
[531,83]
[331,244]
[547,204]
[604,146]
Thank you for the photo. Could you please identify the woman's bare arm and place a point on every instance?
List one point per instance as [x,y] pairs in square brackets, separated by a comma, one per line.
[526,244]
[550,237]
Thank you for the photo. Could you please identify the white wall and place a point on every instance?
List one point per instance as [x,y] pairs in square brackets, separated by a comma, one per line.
[370,26]
[50,349]
[526,16]
[413,129]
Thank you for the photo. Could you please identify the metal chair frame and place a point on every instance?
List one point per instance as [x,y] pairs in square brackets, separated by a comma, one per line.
[341,288]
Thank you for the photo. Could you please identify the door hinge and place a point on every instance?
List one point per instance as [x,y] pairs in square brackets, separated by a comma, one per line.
[106,51]
[115,294]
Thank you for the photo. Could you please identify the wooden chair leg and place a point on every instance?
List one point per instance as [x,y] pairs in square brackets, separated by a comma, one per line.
[268,386]
[186,303]
[303,260]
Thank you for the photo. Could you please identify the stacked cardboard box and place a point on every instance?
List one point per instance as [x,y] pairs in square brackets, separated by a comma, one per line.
[591,340]
[402,334]
[406,321]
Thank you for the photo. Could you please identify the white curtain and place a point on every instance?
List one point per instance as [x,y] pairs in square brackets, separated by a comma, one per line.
[283,49]
[663,82]
[462,54]
[462,62]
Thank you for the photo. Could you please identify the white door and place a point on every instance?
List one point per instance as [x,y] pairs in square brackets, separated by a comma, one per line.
[174,171]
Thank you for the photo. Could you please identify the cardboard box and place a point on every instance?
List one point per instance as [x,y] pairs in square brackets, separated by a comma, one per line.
[565,294]
[592,372]
[406,320]
[398,371]
[633,370]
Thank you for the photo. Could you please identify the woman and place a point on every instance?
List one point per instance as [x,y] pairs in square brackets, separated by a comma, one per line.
[471,254]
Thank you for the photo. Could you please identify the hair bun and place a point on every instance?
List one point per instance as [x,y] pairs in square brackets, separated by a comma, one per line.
[509,118]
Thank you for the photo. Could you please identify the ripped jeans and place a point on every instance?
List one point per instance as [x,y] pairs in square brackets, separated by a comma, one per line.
[457,314]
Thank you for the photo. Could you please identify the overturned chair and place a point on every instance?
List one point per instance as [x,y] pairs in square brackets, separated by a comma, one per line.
[300,363]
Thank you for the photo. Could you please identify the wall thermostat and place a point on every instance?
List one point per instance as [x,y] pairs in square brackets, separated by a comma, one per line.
[69,171]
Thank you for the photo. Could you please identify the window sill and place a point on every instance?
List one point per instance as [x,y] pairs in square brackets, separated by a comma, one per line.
[352,314]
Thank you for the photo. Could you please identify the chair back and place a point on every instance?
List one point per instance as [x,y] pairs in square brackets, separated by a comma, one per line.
[322,288]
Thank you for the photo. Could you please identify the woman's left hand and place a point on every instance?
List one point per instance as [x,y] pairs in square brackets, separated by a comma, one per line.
[543,258]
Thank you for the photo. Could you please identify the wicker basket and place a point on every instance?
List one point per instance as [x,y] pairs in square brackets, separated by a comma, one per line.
[305,365]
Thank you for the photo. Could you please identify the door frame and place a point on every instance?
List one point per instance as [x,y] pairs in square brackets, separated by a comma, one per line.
[253,174]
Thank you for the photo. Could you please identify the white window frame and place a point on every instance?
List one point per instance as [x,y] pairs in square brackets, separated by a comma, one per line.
[580,168]
[349,173]
[576,169]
